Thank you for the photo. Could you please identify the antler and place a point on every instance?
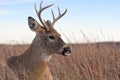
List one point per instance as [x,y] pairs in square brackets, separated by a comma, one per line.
[40,11]
[59,16]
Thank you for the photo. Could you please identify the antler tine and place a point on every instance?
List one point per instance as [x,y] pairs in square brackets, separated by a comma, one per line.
[40,11]
[59,10]
[53,14]
[59,16]
[40,5]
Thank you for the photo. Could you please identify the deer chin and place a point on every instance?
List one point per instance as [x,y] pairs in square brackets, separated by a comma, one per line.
[66,53]
[45,57]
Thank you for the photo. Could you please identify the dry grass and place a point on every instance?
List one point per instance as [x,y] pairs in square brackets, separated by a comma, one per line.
[97,61]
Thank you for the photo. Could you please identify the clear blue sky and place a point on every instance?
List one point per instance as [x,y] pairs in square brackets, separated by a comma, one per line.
[99,20]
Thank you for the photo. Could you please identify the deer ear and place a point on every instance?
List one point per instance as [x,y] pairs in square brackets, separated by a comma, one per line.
[33,24]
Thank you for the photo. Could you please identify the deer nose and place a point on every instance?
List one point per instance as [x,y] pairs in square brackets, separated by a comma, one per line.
[66,51]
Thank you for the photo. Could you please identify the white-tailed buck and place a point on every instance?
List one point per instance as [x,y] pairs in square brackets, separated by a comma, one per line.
[33,63]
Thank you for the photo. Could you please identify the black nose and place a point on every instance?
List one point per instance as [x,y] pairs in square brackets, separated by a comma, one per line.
[66,51]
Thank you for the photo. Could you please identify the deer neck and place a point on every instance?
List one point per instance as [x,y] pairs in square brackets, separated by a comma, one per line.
[33,60]
[35,56]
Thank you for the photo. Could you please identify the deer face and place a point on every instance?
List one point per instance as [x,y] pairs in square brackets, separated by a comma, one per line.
[46,36]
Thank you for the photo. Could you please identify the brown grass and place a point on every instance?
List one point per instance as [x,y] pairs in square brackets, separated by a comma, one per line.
[97,61]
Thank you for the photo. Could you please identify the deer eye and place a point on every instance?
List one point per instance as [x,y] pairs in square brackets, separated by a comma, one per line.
[52,37]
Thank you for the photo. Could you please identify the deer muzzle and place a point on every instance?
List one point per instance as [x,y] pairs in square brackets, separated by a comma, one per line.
[66,51]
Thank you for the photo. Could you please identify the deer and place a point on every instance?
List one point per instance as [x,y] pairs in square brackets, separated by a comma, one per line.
[33,63]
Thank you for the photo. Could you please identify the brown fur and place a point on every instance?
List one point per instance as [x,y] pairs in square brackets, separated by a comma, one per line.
[29,64]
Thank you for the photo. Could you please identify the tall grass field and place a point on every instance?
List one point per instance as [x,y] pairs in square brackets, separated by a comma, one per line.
[90,61]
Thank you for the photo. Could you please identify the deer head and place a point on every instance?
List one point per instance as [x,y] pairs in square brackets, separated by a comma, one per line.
[48,39]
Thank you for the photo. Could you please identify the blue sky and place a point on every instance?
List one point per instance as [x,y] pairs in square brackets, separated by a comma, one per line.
[98,20]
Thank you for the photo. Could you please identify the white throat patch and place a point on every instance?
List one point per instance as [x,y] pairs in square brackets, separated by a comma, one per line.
[45,57]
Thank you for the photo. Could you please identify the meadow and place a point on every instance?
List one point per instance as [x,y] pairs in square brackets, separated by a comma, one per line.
[90,61]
